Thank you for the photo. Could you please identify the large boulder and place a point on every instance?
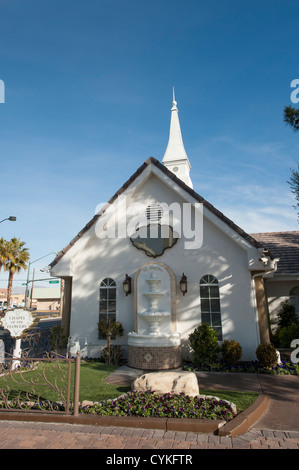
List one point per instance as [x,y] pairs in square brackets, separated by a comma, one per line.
[167,382]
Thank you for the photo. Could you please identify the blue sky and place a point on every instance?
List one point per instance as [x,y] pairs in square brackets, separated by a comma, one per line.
[88,91]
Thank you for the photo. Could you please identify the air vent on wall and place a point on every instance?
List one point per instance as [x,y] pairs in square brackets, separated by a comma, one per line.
[154,212]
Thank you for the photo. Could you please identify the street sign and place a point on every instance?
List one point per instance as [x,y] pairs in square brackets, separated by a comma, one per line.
[53,282]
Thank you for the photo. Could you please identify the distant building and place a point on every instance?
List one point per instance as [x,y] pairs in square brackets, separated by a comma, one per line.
[16,299]
[45,298]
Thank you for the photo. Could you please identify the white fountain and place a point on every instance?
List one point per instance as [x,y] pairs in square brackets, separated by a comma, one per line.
[154,344]
[154,316]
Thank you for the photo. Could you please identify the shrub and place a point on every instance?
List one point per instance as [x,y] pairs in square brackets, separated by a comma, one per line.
[266,355]
[204,344]
[287,334]
[109,329]
[231,351]
[287,326]
[113,356]
[287,315]
[57,338]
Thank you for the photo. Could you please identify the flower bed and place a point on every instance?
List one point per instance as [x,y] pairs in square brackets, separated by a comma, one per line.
[149,404]
[142,404]
[284,368]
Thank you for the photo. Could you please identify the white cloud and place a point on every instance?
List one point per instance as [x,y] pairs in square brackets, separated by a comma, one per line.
[256,208]
[262,220]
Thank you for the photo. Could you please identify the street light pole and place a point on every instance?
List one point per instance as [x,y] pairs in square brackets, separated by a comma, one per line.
[12,218]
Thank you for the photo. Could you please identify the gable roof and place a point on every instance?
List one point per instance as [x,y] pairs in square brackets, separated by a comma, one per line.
[250,239]
[283,245]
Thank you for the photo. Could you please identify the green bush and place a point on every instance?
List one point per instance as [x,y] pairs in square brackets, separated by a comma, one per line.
[57,338]
[231,351]
[112,356]
[204,344]
[266,355]
[287,334]
[109,329]
[287,315]
[287,326]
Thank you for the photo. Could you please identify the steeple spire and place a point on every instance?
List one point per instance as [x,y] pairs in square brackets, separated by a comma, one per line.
[174,103]
[175,157]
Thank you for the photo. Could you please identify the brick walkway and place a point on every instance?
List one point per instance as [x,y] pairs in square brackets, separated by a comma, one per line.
[32,435]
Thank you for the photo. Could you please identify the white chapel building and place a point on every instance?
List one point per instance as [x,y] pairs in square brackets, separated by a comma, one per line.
[161,260]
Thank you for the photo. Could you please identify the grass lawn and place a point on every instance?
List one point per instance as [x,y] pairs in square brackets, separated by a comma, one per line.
[242,400]
[94,388]
[47,378]
[92,385]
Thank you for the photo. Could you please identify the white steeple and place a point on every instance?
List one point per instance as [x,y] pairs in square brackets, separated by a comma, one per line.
[175,157]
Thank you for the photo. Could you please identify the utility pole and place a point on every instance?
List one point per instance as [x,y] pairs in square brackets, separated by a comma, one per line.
[31,294]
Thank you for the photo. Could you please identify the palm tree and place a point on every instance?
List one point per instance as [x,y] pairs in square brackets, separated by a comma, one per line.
[3,253]
[13,258]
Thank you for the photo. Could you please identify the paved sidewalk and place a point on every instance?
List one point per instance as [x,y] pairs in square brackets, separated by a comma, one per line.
[32,435]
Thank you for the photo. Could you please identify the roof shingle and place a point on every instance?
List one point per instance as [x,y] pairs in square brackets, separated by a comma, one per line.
[283,245]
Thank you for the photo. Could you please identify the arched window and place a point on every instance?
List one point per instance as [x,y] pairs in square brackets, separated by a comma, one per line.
[294,298]
[107,300]
[210,303]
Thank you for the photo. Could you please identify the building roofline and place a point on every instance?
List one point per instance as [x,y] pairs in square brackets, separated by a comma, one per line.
[194,194]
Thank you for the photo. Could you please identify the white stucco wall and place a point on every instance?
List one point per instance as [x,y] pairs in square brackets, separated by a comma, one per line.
[93,259]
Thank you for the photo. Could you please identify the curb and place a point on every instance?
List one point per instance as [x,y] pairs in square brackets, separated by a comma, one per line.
[238,425]
[206,426]
[245,420]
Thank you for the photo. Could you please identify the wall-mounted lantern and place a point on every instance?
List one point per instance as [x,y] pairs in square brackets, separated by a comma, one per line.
[184,284]
[127,285]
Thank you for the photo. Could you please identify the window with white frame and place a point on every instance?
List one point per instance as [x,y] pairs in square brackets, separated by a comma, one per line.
[107,300]
[210,303]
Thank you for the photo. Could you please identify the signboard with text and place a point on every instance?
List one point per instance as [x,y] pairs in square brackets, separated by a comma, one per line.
[17,320]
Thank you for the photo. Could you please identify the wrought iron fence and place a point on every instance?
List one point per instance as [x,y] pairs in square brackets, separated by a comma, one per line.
[49,383]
